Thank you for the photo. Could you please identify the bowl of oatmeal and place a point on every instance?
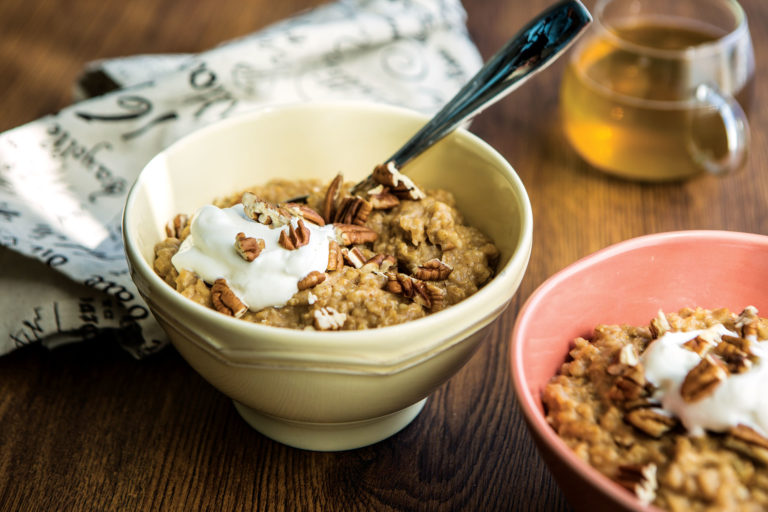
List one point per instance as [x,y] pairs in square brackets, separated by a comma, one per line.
[639,371]
[325,294]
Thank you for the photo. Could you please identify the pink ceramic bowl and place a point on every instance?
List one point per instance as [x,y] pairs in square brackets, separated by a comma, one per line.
[626,283]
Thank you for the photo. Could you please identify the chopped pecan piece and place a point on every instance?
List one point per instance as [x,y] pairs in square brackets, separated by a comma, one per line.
[629,385]
[353,256]
[641,402]
[311,280]
[352,210]
[702,380]
[331,195]
[749,331]
[352,234]
[400,185]
[736,353]
[640,480]
[294,237]
[382,199]
[264,212]
[304,211]
[384,261]
[175,227]
[653,421]
[433,270]
[699,344]
[747,321]
[659,325]
[225,301]
[335,256]
[328,319]
[628,355]
[248,247]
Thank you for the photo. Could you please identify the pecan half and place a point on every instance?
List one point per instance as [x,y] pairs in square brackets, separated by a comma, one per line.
[328,319]
[747,441]
[335,256]
[352,234]
[381,198]
[294,237]
[331,195]
[640,480]
[399,184]
[306,212]
[311,280]
[653,421]
[702,380]
[352,210]
[401,284]
[353,256]
[749,435]
[434,297]
[175,227]
[248,247]
[225,301]
[432,270]
[428,295]
[264,212]
[741,344]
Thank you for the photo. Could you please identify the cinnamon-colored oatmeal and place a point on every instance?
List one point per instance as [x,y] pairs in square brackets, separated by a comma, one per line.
[394,253]
[675,412]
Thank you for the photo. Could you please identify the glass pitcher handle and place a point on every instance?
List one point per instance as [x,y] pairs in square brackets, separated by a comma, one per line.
[736,132]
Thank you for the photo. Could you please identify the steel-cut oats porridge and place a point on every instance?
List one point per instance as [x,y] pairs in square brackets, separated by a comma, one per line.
[675,412]
[346,257]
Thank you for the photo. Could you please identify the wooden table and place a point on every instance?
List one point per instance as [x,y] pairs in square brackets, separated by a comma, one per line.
[86,427]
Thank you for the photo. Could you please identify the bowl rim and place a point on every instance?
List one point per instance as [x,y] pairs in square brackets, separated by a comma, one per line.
[527,402]
[345,340]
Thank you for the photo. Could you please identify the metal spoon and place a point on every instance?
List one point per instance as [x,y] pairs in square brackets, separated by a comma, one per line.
[536,46]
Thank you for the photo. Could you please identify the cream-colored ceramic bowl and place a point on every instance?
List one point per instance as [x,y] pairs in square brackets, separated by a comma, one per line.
[325,390]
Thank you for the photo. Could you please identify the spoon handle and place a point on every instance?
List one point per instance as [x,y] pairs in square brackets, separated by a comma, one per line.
[529,51]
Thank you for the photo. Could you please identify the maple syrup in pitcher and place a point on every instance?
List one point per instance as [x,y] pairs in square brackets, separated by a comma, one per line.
[628,96]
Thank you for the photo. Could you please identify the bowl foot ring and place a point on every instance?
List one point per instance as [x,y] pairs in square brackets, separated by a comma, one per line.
[328,437]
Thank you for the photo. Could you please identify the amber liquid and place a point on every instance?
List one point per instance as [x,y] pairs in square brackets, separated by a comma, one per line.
[632,114]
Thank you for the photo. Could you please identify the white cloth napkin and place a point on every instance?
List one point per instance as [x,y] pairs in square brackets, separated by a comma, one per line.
[64,178]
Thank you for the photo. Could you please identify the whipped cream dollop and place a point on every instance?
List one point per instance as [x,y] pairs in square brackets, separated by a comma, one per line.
[741,398]
[270,279]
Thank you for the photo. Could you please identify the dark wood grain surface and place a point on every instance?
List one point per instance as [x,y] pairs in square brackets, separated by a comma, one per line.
[86,427]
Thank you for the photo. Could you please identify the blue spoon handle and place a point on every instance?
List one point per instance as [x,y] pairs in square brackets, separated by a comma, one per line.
[533,48]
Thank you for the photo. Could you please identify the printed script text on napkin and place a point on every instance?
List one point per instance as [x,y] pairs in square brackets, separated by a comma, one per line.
[64,178]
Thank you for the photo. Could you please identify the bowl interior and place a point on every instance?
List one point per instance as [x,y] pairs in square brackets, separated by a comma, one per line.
[319,141]
[627,284]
